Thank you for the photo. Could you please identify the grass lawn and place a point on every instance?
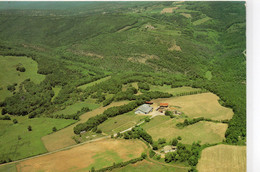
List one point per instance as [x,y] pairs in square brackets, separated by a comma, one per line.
[174,91]
[227,158]
[120,122]
[206,132]
[30,143]
[199,105]
[148,166]
[97,154]
[90,103]
[9,74]
[8,168]
[93,83]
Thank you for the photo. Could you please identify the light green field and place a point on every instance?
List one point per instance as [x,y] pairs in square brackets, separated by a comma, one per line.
[200,21]
[72,109]
[56,92]
[8,168]
[208,75]
[149,166]
[30,143]
[120,122]
[206,132]
[174,91]
[9,74]
[93,83]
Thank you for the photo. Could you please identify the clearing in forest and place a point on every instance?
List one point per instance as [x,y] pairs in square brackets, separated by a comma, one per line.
[200,21]
[97,154]
[168,10]
[199,105]
[148,166]
[174,91]
[9,75]
[165,127]
[223,158]
[63,138]
[83,87]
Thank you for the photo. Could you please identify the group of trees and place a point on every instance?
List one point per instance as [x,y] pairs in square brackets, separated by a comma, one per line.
[183,153]
[138,132]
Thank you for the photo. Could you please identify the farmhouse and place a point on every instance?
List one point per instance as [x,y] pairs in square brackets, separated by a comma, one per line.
[164,105]
[145,108]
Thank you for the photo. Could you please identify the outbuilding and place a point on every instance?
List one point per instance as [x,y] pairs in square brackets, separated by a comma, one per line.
[145,108]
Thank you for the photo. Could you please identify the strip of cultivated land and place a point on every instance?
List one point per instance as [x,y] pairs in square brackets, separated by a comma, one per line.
[223,158]
[63,138]
[97,154]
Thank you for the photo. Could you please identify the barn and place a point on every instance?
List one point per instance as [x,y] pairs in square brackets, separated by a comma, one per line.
[145,108]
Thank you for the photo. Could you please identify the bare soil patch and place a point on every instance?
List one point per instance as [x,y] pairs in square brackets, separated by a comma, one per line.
[142,58]
[83,156]
[223,158]
[63,138]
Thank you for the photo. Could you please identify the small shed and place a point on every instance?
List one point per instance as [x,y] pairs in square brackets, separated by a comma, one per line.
[149,102]
[169,148]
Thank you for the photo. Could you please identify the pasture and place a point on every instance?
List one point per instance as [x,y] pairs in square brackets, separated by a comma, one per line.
[121,122]
[200,105]
[93,83]
[97,154]
[9,75]
[56,92]
[63,138]
[223,158]
[16,142]
[174,91]
[72,109]
[149,166]
[165,127]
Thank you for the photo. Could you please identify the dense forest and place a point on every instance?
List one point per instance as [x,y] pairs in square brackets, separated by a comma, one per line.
[128,43]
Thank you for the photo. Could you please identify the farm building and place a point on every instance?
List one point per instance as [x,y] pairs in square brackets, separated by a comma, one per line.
[148,102]
[164,104]
[169,148]
[145,108]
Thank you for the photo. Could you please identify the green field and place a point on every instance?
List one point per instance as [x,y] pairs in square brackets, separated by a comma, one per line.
[208,75]
[29,143]
[9,75]
[200,21]
[72,109]
[121,122]
[149,166]
[93,83]
[174,91]
[56,92]
[8,168]
[206,132]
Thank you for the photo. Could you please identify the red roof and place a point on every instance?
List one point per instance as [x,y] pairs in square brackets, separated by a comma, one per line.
[148,102]
[164,104]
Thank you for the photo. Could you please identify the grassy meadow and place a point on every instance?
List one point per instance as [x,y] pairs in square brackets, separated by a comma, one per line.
[16,142]
[165,127]
[93,83]
[98,154]
[223,158]
[9,75]
[173,91]
[121,122]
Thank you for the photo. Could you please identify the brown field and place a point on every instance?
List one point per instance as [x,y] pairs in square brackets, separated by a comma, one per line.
[63,138]
[83,157]
[200,105]
[223,158]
